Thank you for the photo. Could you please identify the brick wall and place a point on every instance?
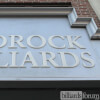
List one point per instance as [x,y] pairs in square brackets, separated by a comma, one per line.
[82,7]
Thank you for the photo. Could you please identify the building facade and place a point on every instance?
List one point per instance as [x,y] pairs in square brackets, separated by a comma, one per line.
[48,47]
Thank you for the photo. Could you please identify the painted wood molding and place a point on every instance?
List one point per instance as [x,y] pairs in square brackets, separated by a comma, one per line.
[70,12]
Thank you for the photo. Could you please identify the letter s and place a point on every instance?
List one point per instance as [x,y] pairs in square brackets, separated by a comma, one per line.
[87,59]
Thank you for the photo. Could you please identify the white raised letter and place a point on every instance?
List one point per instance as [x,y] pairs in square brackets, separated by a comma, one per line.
[53,45]
[13,65]
[4,41]
[31,60]
[51,59]
[64,60]
[19,41]
[88,60]
[36,47]
[73,42]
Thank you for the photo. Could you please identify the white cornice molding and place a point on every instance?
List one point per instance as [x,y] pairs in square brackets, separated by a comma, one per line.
[87,22]
[70,12]
[34,11]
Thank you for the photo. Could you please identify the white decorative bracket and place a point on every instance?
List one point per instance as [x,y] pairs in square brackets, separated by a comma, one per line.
[87,22]
[70,12]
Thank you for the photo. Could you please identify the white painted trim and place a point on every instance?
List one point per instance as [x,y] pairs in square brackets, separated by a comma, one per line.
[70,12]
[72,16]
[89,23]
[91,28]
[34,11]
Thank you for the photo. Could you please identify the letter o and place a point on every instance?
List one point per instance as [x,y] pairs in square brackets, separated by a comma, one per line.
[36,47]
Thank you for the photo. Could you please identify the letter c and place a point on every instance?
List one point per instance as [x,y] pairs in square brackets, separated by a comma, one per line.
[53,45]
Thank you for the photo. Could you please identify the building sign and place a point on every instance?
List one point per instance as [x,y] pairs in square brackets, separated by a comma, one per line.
[46,48]
[29,57]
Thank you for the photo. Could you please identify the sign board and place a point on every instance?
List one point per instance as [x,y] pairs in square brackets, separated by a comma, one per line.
[46,49]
